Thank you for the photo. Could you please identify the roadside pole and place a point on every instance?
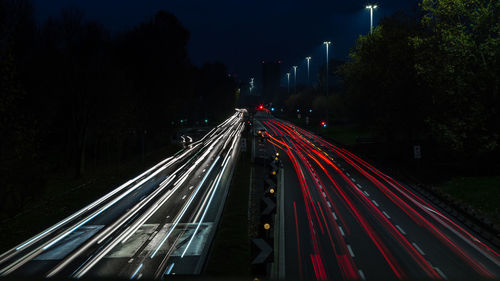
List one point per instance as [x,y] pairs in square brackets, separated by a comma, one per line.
[281,214]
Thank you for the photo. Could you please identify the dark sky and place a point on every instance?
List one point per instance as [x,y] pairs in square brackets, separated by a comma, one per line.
[242,33]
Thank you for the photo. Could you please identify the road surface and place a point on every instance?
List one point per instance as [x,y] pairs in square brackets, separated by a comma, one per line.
[344,219]
[159,223]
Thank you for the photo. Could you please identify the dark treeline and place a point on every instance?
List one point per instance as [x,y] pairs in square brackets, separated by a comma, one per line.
[74,97]
[431,78]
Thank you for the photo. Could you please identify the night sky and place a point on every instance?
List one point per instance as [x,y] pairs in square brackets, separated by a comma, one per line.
[243,33]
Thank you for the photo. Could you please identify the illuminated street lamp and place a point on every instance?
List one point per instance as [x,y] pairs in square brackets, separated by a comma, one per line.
[308,59]
[327,44]
[371,7]
[288,77]
[294,79]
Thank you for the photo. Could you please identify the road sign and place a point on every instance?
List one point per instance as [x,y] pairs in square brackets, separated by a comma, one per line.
[264,251]
[270,206]
[417,152]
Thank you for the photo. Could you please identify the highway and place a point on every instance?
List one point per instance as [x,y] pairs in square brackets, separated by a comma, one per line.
[345,219]
[159,223]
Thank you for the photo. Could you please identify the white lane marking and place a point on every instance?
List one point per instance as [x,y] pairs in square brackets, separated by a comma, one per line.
[334,216]
[191,187]
[366,193]
[321,187]
[183,197]
[324,194]
[347,174]
[400,229]
[341,230]
[375,202]
[361,274]
[386,214]
[441,273]
[136,271]
[329,205]
[418,248]
[130,260]
[168,217]
[359,185]
[169,270]
[353,179]
[152,235]
[350,251]
[204,170]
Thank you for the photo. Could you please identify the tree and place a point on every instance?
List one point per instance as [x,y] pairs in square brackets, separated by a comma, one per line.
[381,88]
[458,58]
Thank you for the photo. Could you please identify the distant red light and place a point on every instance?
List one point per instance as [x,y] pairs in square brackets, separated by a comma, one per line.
[261,107]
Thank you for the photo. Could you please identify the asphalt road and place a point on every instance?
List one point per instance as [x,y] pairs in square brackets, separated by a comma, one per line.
[159,223]
[344,219]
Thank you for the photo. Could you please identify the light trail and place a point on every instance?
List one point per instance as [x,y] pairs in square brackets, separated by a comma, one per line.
[221,140]
[299,147]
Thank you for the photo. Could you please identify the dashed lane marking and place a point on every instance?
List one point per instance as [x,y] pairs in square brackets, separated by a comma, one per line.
[341,230]
[441,273]
[361,274]
[350,251]
[400,229]
[418,248]
[334,216]
[386,214]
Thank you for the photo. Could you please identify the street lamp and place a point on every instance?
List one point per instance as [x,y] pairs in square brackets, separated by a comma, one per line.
[295,79]
[288,85]
[308,59]
[327,43]
[371,7]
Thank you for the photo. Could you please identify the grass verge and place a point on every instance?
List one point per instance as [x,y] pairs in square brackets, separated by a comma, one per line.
[482,193]
[345,134]
[230,256]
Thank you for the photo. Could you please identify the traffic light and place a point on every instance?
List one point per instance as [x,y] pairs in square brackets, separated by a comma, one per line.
[261,107]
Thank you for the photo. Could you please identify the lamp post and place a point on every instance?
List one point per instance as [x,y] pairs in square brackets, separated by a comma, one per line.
[288,83]
[295,79]
[308,60]
[251,85]
[327,44]
[371,7]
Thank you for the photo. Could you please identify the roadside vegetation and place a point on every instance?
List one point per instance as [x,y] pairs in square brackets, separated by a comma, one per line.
[482,193]
[77,98]
[230,255]
[431,79]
